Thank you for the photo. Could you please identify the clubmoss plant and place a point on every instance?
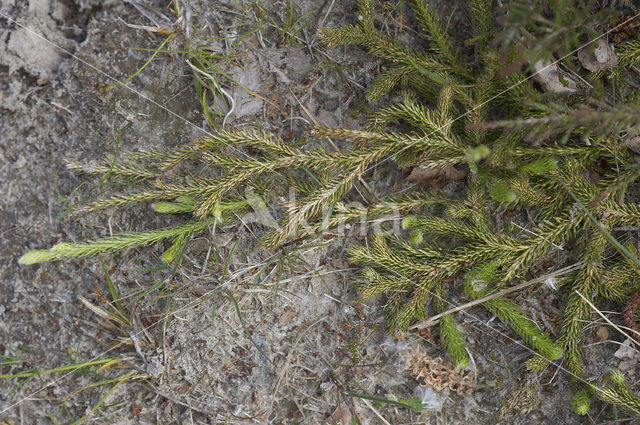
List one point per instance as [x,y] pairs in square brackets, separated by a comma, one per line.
[469,105]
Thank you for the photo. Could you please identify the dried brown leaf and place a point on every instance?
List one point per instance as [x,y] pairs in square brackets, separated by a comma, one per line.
[437,373]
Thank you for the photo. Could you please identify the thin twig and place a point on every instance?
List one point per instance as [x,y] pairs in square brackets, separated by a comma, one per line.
[375,411]
[423,324]
[616,327]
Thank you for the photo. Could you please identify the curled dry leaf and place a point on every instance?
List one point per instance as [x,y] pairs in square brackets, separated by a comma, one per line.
[436,372]
[603,56]
[552,79]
